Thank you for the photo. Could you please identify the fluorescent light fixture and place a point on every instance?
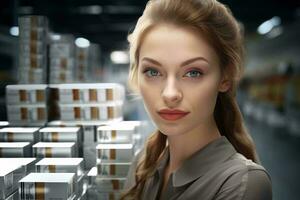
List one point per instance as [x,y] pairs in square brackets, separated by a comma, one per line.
[14,30]
[55,37]
[268,25]
[119,57]
[82,42]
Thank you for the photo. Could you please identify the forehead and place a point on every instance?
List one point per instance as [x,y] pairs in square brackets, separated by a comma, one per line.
[171,43]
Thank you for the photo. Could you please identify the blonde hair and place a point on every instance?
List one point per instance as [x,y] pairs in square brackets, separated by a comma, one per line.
[216,23]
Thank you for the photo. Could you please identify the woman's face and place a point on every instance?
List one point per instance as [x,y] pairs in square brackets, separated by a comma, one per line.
[179,70]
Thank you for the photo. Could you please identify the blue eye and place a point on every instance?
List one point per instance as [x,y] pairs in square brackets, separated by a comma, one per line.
[151,72]
[194,73]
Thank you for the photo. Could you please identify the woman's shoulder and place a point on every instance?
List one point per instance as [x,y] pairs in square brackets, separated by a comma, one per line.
[245,180]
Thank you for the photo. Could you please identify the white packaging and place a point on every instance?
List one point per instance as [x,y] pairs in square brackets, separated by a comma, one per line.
[28,48]
[94,112]
[90,92]
[61,50]
[65,165]
[15,149]
[9,177]
[27,163]
[115,134]
[34,61]
[33,115]
[23,94]
[32,22]
[61,134]
[47,186]
[113,169]
[37,34]
[65,63]
[19,134]
[32,76]
[54,149]
[115,152]
[106,184]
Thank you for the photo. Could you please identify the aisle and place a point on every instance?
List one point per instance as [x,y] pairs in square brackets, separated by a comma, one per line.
[279,155]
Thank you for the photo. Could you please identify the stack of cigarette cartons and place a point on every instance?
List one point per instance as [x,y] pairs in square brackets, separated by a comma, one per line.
[104,187]
[26,104]
[98,102]
[10,174]
[15,149]
[82,59]
[116,146]
[61,58]
[33,49]
[55,149]
[63,134]
[47,186]
[19,134]
[64,165]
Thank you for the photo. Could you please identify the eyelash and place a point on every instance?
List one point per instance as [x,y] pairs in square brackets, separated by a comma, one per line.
[152,69]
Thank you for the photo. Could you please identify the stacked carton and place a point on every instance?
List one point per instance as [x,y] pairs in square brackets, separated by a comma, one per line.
[65,165]
[47,186]
[114,153]
[99,102]
[61,58]
[26,104]
[33,49]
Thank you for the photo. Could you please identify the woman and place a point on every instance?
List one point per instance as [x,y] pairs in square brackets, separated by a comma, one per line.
[186,61]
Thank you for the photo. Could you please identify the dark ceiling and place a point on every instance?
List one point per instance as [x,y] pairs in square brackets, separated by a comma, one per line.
[108,22]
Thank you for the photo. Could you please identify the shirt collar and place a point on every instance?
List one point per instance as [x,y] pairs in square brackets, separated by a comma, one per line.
[214,153]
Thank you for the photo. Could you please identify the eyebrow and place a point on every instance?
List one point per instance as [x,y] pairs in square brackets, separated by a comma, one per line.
[189,61]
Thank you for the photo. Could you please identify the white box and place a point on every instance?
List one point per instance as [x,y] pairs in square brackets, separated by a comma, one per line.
[115,134]
[47,186]
[106,184]
[113,169]
[19,134]
[28,93]
[27,163]
[66,165]
[9,177]
[61,134]
[115,152]
[54,149]
[15,149]
[32,115]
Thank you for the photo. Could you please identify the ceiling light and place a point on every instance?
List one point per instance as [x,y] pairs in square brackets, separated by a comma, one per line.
[82,42]
[268,25]
[14,30]
[119,57]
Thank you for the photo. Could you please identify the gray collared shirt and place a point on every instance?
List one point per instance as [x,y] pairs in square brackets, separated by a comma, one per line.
[215,172]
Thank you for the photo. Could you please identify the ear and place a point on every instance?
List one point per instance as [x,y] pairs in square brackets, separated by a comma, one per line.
[225,84]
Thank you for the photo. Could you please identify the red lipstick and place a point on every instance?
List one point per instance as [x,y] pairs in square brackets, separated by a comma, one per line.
[172,115]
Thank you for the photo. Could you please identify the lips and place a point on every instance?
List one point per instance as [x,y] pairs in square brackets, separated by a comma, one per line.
[172,115]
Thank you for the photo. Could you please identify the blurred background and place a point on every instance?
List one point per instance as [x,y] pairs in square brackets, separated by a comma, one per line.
[269,94]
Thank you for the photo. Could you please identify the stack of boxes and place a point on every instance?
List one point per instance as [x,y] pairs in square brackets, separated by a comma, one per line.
[17,142]
[114,153]
[59,142]
[61,58]
[82,63]
[89,102]
[33,49]
[65,165]
[26,104]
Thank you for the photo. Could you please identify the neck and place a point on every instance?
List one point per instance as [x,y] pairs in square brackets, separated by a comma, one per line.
[184,145]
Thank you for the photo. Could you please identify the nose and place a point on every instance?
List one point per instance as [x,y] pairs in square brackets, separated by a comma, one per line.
[171,93]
